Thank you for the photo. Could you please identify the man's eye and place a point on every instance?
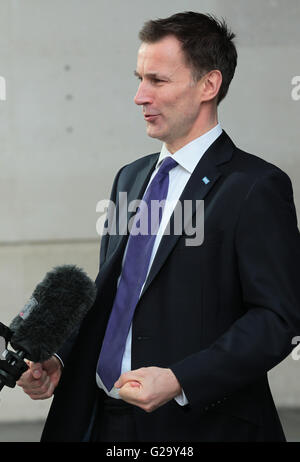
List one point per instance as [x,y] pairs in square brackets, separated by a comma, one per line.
[153,80]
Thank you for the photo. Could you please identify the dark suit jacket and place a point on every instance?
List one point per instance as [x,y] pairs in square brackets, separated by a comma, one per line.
[220,315]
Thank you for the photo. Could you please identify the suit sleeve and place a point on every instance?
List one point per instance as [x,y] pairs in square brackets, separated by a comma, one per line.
[267,246]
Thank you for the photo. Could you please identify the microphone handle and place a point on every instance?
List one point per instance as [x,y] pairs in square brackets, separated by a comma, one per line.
[15,367]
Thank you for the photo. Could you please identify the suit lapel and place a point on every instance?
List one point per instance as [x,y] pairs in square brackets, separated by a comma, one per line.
[134,186]
[203,180]
[141,180]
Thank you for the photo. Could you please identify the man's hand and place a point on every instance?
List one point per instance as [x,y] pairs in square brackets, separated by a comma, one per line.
[40,380]
[148,387]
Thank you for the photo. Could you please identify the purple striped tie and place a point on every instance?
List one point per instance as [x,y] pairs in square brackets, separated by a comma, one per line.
[134,272]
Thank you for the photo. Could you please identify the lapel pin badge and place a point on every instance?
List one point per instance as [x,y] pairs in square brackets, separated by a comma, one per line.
[205,180]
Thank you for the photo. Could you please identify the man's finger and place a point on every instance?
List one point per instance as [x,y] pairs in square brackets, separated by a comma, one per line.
[131,376]
[121,382]
[130,392]
[134,384]
[36,369]
[33,376]
[39,389]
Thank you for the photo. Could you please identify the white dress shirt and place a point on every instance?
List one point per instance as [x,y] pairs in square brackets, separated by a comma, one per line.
[187,158]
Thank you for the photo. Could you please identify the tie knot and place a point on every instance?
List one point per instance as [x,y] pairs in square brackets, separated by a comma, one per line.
[167,165]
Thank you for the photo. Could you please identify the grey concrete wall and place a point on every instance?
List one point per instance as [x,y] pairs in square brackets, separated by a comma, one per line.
[69,122]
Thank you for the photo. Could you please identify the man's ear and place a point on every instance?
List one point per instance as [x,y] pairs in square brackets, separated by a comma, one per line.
[210,85]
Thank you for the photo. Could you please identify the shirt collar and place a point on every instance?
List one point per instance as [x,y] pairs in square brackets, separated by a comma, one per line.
[190,154]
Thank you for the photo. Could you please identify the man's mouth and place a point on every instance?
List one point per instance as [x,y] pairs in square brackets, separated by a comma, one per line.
[150,117]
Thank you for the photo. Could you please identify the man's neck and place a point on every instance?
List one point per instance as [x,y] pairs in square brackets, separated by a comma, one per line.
[208,119]
[179,143]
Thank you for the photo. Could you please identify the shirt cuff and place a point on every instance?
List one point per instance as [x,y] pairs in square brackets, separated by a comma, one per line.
[181,399]
[60,360]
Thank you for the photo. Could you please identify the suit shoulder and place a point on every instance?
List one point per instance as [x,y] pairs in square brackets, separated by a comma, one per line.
[258,176]
[141,162]
[139,168]
[256,166]
[135,166]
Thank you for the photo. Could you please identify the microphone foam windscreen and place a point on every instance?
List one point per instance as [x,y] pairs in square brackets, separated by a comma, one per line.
[57,306]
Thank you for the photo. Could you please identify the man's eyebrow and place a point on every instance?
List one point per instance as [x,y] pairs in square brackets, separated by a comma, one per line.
[151,75]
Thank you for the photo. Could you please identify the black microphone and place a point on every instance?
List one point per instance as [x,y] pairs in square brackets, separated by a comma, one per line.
[56,308]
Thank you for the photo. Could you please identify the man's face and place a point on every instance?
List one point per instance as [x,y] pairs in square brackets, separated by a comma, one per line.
[170,98]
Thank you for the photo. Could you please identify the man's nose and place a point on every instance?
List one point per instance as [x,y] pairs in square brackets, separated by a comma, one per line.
[143,95]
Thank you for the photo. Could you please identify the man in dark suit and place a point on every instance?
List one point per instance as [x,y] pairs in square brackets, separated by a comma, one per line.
[210,320]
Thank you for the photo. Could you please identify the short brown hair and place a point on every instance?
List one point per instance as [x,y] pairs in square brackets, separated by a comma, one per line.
[207,43]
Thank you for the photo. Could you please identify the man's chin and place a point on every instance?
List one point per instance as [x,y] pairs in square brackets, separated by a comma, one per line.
[155,133]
